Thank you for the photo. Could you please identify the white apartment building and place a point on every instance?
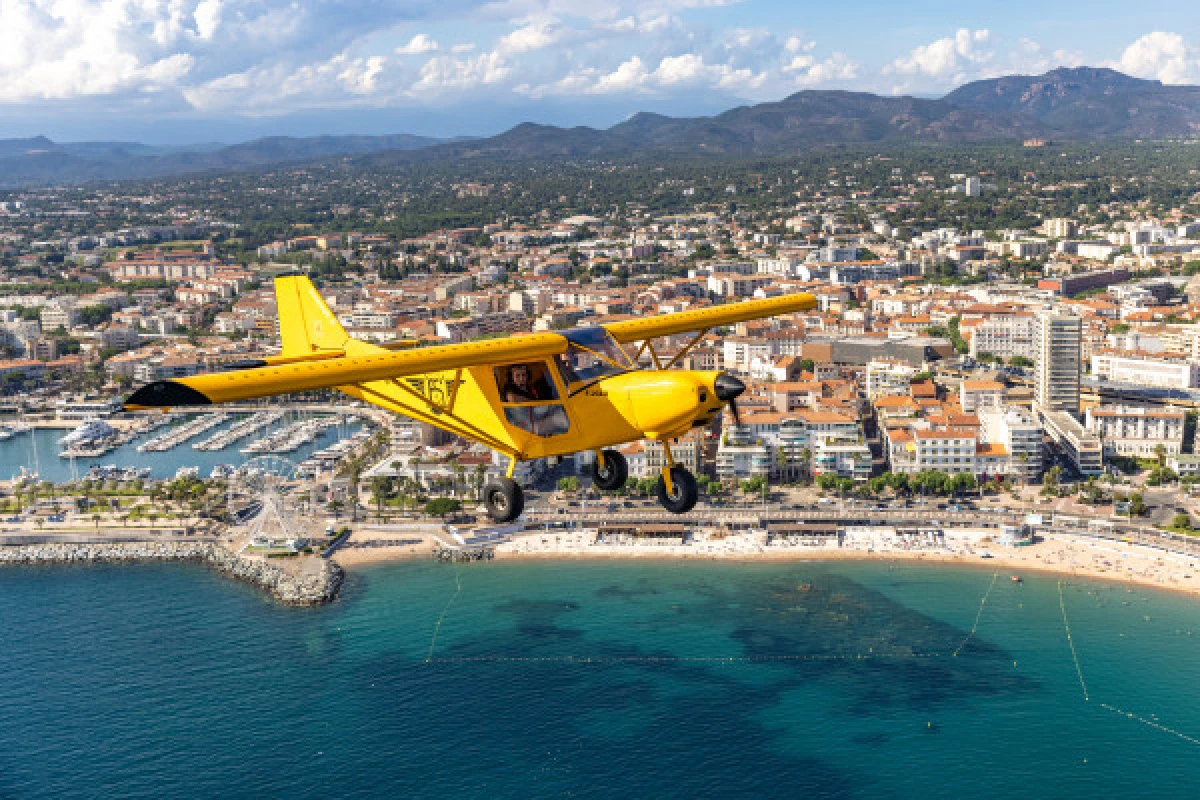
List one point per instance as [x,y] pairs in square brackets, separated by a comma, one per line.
[1059,341]
[976,396]
[1006,335]
[741,352]
[59,314]
[1132,431]
[844,457]
[912,450]
[647,458]
[889,377]
[1019,433]
[1145,370]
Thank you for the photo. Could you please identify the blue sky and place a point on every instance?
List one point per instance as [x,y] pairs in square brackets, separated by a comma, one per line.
[172,71]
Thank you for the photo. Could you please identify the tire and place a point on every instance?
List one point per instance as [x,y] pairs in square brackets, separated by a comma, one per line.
[614,474]
[503,499]
[684,498]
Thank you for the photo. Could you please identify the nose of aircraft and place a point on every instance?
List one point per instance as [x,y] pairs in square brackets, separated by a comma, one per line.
[728,388]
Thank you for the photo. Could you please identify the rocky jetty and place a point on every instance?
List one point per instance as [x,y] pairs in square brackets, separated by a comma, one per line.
[311,583]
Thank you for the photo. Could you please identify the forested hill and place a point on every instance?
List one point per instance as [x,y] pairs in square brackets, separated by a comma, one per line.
[1081,103]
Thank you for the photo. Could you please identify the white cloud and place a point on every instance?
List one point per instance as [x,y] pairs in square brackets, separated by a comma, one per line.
[687,70]
[421,43]
[837,68]
[629,76]
[951,58]
[535,36]
[1164,56]
[207,17]
[449,72]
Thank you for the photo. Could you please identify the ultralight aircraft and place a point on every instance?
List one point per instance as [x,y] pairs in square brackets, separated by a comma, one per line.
[527,396]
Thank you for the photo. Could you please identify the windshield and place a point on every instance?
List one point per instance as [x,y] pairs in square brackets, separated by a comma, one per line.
[591,355]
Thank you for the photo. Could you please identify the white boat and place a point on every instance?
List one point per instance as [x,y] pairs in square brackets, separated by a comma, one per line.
[91,431]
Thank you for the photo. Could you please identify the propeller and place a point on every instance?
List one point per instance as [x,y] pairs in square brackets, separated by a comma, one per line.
[728,389]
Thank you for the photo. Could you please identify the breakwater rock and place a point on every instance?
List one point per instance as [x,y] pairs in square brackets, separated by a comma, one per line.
[312,582]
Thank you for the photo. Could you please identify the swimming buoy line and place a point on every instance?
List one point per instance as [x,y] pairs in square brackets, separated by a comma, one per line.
[1118,711]
[978,614]
[437,628]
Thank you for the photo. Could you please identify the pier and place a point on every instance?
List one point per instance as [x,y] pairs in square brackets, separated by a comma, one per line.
[188,430]
[239,430]
[293,436]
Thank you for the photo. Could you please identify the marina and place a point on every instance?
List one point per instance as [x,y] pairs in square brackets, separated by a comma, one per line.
[239,430]
[190,429]
[33,452]
[293,436]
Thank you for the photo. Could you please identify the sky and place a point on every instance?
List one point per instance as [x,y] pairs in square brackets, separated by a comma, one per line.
[187,71]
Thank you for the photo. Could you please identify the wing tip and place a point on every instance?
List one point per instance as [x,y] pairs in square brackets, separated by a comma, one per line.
[165,394]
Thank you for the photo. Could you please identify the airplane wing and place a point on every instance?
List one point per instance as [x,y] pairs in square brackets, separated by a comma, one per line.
[636,330]
[325,373]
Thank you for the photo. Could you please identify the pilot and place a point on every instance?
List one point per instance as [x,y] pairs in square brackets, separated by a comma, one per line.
[520,389]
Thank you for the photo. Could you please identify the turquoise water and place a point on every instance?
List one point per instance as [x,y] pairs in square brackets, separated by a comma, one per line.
[595,679]
[19,452]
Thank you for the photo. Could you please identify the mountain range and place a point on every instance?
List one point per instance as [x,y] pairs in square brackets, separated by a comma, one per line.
[1080,103]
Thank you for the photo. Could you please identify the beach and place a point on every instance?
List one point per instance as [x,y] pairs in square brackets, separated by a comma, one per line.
[1064,554]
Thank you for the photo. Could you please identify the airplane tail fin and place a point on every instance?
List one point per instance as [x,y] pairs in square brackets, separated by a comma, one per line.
[306,323]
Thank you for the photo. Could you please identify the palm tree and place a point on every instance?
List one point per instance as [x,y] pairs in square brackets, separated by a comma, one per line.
[1160,451]
[459,472]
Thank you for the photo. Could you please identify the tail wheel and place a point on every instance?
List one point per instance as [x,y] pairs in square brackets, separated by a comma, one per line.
[683,496]
[504,499]
[613,474]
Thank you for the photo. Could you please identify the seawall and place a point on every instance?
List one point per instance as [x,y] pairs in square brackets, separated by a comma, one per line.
[290,586]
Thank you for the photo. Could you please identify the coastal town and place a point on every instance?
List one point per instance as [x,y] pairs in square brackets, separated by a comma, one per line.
[1046,371]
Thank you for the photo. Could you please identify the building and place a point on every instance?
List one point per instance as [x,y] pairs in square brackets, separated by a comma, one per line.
[1059,228]
[977,396]
[1019,432]
[1081,447]
[1137,432]
[1070,285]
[886,377]
[1005,335]
[1145,370]
[1059,339]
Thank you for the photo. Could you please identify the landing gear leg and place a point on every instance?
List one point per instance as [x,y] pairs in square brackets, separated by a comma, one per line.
[676,486]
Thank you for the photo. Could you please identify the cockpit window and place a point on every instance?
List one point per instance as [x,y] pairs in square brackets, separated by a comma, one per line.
[591,355]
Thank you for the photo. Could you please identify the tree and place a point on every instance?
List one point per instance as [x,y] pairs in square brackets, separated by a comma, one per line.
[1137,505]
[807,365]
[568,483]
[1050,481]
[381,489]
[441,506]
[1182,522]
[1160,452]
[1020,361]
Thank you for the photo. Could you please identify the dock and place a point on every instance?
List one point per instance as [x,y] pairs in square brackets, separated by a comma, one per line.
[177,436]
[239,430]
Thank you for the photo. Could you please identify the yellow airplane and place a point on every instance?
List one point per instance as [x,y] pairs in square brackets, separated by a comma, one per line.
[527,396]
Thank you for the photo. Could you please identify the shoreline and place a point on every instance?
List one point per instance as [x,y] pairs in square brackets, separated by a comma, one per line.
[303,586]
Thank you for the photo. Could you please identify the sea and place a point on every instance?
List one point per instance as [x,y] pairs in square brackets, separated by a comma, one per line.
[597,679]
[37,451]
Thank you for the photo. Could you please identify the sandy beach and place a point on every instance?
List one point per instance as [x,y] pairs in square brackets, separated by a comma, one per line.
[1054,553]
[374,546]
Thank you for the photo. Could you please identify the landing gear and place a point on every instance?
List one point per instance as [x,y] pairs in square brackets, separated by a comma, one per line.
[504,499]
[610,470]
[680,496]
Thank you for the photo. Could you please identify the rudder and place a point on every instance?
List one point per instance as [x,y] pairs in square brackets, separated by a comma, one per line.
[306,323]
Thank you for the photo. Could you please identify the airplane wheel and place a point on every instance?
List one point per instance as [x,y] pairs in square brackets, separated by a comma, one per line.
[504,499]
[684,497]
[614,474]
